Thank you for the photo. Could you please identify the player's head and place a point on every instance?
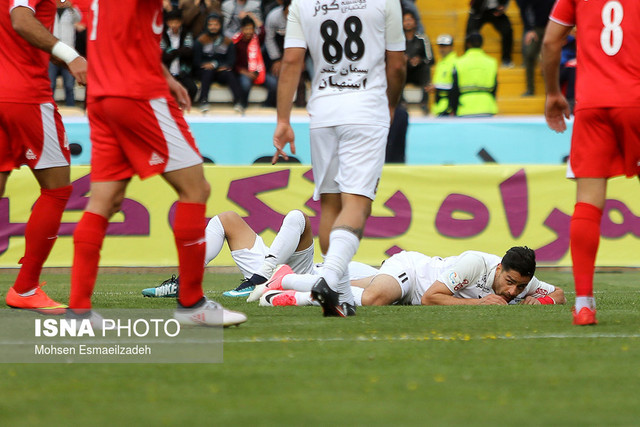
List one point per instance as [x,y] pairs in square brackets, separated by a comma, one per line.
[514,272]
[409,20]
[173,19]
[247,27]
[214,24]
[473,40]
[445,44]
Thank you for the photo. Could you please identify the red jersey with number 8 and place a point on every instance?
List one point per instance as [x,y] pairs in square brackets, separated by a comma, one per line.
[123,41]
[608,39]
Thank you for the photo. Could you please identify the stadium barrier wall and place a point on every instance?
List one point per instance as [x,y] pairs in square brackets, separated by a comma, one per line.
[437,210]
[242,140]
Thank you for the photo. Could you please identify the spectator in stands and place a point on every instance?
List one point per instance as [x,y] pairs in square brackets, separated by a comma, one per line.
[568,69]
[534,14]
[419,58]
[443,75]
[410,5]
[274,27]
[64,29]
[194,12]
[475,81]
[234,11]
[177,51]
[249,66]
[214,58]
[268,5]
[493,11]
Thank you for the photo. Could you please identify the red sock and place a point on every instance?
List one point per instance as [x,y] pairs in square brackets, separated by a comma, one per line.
[87,242]
[585,238]
[188,230]
[40,235]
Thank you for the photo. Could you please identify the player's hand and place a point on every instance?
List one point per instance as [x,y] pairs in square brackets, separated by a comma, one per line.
[530,301]
[556,110]
[493,299]
[78,69]
[179,93]
[282,136]
[529,37]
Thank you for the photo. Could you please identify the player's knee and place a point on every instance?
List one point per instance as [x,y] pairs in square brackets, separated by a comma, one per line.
[229,218]
[296,219]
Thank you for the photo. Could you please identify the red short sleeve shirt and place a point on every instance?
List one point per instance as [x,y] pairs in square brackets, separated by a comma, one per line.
[608,41]
[24,69]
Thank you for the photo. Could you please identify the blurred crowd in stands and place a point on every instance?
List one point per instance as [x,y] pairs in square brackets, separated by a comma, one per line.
[238,44]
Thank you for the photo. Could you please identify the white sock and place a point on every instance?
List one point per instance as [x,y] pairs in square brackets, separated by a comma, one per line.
[299,282]
[303,298]
[581,302]
[357,294]
[214,237]
[285,243]
[343,245]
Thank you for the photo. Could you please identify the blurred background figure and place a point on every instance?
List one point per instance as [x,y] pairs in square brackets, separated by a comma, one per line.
[419,57]
[214,59]
[534,14]
[475,81]
[177,51]
[493,12]
[443,75]
[67,16]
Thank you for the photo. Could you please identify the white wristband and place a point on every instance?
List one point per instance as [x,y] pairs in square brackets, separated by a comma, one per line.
[64,52]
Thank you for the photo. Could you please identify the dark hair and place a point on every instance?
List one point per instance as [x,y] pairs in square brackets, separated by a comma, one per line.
[286,4]
[409,12]
[247,21]
[521,259]
[173,14]
[474,39]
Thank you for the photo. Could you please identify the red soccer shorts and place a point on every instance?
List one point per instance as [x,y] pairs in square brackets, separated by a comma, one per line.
[33,135]
[143,137]
[605,143]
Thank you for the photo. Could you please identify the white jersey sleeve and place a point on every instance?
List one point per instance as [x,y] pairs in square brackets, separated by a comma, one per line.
[393,27]
[469,268]
[294,35]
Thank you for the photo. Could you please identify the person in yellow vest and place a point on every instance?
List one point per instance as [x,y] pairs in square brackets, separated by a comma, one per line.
[475,81]
[442,82]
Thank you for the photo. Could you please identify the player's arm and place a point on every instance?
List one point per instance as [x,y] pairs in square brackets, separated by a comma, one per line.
[177,90]
[28,27]
[290,70]
[555,297]
[440,294]
[556,106]
[396,68]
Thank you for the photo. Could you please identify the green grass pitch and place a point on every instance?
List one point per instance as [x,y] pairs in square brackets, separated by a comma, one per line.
[494,366]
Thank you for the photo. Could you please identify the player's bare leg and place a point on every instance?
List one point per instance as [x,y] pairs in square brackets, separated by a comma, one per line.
[382,289]
[585,238]
[4,176]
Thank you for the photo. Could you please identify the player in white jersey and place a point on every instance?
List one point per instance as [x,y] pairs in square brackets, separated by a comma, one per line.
[412,278]
[257,262]
[357,50]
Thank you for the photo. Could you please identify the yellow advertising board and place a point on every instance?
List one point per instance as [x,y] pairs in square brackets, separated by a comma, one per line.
[437,210]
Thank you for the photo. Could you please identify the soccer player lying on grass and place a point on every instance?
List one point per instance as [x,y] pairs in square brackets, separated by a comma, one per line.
[292,245]
[411,278]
